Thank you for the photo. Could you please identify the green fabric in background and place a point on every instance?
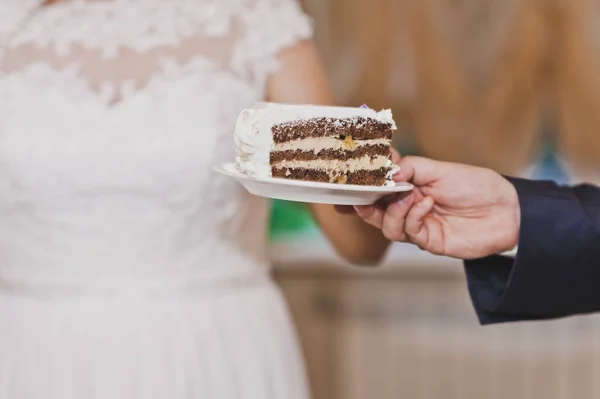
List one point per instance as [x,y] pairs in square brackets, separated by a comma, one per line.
[290,219]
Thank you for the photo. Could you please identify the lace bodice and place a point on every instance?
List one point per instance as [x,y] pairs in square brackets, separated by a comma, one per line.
[112,113]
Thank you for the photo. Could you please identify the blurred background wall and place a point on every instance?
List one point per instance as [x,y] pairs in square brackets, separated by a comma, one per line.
[489,82]
[508,84]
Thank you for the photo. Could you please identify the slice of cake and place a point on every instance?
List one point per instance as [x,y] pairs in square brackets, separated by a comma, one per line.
[321,144]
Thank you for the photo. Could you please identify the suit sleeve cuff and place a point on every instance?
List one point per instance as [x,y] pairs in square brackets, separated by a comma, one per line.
[536,283]
[510,254]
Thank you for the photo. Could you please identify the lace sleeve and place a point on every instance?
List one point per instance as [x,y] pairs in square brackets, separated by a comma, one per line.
[267,28]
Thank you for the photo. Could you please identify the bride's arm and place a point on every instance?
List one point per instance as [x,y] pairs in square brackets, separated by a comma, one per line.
[301,79]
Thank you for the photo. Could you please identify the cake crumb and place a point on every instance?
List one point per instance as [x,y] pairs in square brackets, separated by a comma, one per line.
[342,179]
[349,143]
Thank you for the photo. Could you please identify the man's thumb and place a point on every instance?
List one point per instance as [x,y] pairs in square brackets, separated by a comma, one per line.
[418,170]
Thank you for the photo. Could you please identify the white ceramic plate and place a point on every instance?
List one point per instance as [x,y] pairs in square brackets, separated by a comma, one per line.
[311,192]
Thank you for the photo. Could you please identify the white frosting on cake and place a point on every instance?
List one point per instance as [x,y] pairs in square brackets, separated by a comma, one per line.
[254,139]
[389,177]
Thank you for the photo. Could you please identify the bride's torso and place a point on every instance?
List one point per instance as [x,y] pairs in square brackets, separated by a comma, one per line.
[112,114]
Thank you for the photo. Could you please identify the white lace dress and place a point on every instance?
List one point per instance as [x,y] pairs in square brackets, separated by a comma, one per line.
[128,269]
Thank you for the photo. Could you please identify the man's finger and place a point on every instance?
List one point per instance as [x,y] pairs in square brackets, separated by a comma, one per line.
[383,202]
[371,214]
[414,226]
[394,219]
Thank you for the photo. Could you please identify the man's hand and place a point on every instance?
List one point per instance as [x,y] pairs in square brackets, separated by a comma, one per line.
[455,210]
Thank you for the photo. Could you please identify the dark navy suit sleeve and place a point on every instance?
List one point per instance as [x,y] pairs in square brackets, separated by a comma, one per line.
[556,272]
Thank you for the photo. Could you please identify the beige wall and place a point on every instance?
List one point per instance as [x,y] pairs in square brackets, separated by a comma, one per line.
[472,77]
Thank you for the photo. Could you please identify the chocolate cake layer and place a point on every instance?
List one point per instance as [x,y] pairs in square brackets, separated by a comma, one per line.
[300,155]
[359,177]
[358,128]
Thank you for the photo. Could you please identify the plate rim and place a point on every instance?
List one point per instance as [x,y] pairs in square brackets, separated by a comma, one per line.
[235,173]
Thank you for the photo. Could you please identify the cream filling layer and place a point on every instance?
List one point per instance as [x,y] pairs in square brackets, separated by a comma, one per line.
[349,165]
[317,144]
